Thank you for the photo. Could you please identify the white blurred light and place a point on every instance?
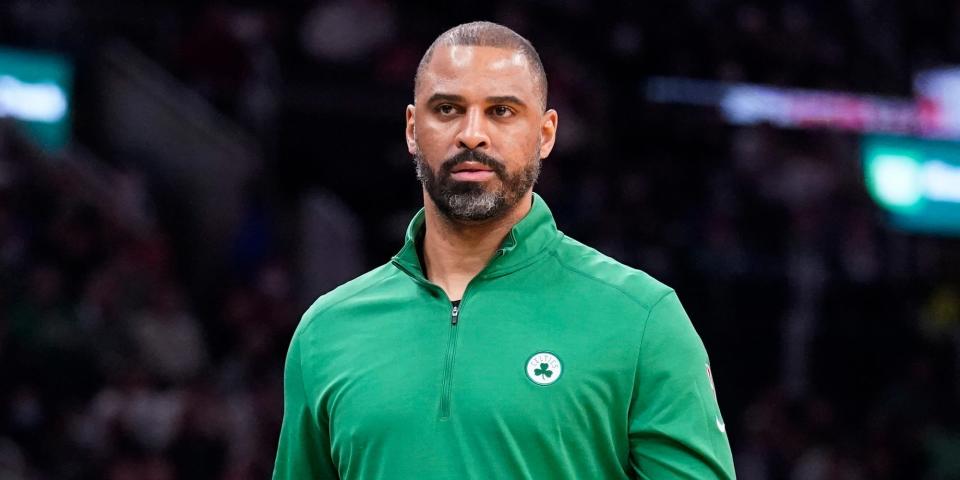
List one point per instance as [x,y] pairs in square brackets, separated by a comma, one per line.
[897,180]
[941,181]
[37,102]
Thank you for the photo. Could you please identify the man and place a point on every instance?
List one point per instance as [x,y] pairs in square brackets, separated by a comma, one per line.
[492,346]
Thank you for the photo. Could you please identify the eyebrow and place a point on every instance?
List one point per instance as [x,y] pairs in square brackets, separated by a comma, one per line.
[444,97]
[507,99]
[448,97]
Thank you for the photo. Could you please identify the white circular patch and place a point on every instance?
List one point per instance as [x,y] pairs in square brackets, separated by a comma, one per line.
[544,368]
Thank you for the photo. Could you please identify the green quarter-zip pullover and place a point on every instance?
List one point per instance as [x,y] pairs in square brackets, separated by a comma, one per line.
[558,363]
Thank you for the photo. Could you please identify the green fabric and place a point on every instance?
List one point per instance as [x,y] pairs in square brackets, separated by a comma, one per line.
[381,384]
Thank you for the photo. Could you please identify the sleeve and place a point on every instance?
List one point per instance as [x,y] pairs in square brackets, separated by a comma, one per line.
[303,451]
[675,426]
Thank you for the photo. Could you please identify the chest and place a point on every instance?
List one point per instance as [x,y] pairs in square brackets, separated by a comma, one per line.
[500,367]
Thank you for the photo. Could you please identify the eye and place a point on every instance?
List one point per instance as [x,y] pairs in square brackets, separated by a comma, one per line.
[445,109]
[502,111]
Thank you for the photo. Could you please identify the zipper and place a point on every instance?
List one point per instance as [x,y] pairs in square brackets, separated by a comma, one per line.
[447,384]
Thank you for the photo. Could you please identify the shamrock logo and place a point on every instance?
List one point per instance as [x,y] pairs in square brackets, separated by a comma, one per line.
[544,368]
[544,371]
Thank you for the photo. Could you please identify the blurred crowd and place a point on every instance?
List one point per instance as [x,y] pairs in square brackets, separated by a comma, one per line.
[834,339]
[109,369]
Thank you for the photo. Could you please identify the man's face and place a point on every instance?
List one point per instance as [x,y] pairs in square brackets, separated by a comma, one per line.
[477,131]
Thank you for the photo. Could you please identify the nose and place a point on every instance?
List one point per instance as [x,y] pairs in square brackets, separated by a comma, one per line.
[473,133]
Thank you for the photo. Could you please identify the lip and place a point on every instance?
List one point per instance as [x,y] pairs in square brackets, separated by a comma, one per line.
[473,175]
[471,166]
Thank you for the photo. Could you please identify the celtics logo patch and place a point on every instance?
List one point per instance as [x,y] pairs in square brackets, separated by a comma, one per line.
[544,368]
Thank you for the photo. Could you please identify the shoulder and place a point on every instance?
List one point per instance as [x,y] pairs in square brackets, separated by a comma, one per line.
[664,325]
[364,284]
[606,273]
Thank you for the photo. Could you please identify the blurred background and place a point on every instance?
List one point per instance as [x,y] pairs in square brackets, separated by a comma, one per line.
[180,180]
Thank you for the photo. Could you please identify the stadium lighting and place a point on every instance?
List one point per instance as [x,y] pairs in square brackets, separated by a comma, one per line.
[35,92]
[916,181]
[911,154]
[933,112]
[895,180]
[33,102]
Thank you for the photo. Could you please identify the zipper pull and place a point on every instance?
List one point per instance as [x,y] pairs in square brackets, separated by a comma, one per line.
[455,315]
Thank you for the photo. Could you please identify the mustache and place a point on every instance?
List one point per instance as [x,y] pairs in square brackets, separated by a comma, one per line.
[474,156]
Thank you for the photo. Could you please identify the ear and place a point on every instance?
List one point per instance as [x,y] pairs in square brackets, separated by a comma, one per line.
[411,130]
[548,132]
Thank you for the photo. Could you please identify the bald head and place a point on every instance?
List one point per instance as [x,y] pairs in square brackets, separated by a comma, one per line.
[488,34]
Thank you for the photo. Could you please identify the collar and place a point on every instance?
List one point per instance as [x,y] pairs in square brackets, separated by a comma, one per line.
[533,236]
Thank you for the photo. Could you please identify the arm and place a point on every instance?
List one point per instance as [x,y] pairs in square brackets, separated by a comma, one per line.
[304,448]
[676,430]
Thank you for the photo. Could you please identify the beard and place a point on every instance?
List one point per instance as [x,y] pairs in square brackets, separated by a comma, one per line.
[475,201]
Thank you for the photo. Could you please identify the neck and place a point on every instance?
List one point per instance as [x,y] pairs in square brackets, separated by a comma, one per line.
[455,252]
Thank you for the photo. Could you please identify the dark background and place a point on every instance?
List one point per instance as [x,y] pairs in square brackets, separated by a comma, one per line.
[147,296]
